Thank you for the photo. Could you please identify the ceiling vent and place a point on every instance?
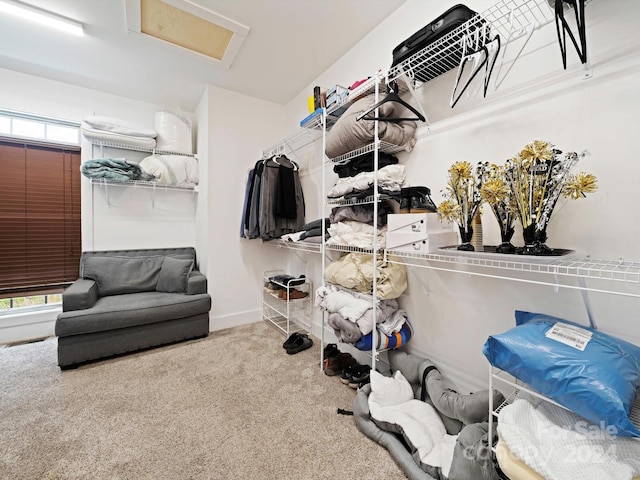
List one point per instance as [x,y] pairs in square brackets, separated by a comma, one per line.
[188,26]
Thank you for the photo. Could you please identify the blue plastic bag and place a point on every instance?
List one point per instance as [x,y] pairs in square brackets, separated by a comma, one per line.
[589,372]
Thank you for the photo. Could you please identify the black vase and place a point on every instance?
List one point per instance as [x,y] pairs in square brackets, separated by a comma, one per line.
[465,236]
[506,246]
[534,241]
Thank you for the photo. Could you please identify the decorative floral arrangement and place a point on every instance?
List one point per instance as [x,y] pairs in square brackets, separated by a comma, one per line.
[462,200]
[536,178]
[496,193]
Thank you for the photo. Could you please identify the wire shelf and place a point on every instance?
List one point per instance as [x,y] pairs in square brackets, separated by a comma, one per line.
[348,248]
[143,184]
[366,88]
[508,18]
[300,245]
[296,140]
[572,265]
[123,146]
[385,147]
[358,201]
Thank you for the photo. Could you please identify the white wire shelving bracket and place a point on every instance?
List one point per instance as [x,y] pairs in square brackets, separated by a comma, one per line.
[570,266]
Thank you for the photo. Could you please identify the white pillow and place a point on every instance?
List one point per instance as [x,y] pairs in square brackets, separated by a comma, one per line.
[117,125]
[172,169]
[389,391]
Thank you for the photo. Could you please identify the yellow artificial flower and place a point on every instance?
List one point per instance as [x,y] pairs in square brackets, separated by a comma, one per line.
[536,150]
[460,171]
[579,185]
[494,191]
[449,210]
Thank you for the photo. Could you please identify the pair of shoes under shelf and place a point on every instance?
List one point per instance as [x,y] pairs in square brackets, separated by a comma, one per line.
[336,361]
[293,294]
[355,375]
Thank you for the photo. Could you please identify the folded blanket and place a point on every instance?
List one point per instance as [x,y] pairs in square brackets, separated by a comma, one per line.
[364,163]
[355,234]
[348,134]
[361,213]
[333,300]
[119,126]
[292,237]
[95,135]
[390,178]
[386,308]
[114,169]
[394,323]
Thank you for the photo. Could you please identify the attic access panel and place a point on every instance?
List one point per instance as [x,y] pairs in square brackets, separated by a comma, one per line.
[186,25]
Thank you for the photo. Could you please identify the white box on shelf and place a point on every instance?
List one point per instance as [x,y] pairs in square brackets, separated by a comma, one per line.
[420,242]
[417,223]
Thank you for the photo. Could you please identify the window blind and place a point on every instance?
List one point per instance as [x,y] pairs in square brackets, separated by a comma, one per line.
[40,237]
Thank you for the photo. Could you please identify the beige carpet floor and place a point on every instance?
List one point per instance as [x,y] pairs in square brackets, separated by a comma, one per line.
[231,406]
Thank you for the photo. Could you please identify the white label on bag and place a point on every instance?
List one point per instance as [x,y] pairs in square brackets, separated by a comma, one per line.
[575,337]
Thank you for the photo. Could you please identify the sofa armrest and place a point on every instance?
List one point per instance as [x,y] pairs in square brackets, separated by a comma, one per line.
[196,283]
[81,294]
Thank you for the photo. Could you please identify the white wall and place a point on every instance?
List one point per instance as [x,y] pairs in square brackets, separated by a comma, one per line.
[130,221]
[239,128]
[453,313]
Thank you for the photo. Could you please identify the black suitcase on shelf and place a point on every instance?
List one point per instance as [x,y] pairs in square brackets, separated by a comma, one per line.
[452,50]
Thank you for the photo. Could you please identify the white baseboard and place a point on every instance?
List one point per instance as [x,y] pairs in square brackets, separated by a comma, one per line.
[28,326]
[234,320]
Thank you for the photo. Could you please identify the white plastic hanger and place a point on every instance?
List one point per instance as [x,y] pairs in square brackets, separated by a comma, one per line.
[514,34]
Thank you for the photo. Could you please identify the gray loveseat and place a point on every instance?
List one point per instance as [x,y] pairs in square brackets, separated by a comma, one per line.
[128,300]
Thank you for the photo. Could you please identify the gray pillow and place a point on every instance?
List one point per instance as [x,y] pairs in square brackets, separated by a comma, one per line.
[118,275]
[174,275]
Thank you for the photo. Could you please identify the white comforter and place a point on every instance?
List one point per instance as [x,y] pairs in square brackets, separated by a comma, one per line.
[561,445]
[355,234]
[391,401]
[390,178]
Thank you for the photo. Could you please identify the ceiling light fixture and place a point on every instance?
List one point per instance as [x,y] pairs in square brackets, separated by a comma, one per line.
[43,17]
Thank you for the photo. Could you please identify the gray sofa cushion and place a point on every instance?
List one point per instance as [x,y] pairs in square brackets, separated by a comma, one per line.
[174,275]
[118,275]
[127,310]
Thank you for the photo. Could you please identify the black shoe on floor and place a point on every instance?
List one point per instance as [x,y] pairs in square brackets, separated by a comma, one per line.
[301,343]
[292,338]
[360,376]
[347,372]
